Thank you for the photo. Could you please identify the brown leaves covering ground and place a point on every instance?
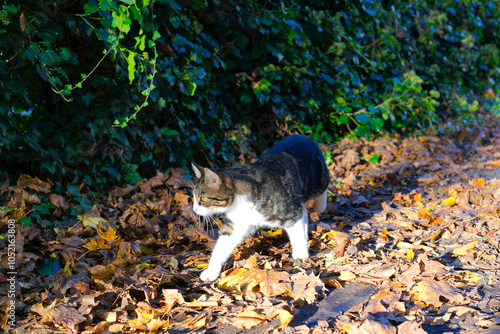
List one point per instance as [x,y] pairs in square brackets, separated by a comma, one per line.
[421,225]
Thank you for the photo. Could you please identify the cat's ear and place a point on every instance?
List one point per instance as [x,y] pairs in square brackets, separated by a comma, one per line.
[198,170]
[212,180]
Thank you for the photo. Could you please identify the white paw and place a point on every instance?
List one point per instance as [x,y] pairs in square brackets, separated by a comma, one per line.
[209,274]
[302,254]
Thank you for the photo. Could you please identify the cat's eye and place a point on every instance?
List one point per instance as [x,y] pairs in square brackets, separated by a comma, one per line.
[203,199]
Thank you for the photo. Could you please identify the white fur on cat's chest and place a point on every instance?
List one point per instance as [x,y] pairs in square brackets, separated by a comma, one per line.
[244,213]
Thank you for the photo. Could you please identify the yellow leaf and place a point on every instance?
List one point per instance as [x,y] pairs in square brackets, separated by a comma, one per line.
[271,283]
[425,213]
[435,235]
[464,250]
[410,254]
[109,235]
[275,231]
[347,275]
[478,182]
[450,201]
[91,221]
[97,243]
[285,317]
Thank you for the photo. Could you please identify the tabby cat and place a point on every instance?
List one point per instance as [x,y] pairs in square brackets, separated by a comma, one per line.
[272,192]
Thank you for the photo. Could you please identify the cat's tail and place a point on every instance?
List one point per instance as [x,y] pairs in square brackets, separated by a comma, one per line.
[321,201]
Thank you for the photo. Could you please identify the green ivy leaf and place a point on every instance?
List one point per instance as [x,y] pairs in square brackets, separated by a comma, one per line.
[191,87]
[49,266]
[131,66]
[90,9]
[169,132]
[121,20]
[107,5]
[49,57]
[374,159]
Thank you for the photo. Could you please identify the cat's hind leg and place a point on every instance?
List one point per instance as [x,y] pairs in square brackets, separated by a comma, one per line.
[320,202]
[297,234]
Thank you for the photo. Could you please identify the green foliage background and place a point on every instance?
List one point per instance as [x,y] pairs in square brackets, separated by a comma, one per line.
[90,90]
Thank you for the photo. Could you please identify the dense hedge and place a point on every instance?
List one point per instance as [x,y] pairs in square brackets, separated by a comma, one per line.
[92,89]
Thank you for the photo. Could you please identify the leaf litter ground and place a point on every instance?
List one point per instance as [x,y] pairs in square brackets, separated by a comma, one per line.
[416,220]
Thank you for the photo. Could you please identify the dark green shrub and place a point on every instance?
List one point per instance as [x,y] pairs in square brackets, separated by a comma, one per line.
[90,90]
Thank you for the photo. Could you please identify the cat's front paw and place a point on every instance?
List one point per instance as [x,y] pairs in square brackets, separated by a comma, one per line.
[209,274]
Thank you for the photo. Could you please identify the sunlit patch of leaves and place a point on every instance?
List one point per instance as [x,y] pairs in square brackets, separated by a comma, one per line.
[421,224]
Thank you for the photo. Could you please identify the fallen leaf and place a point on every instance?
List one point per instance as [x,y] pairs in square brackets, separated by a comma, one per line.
[34,183]
[58,201]
[248,319]
[412,327]
[450,201]
[347,275]
[91,218]
[285,317]
[436,293]
[271,283]
[65,314]
[464,250]
[177,180]
[478,182]
[306,287]
[428,179]
[369,326]
[171,297]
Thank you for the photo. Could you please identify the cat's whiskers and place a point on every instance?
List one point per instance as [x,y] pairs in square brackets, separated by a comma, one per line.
[207,223]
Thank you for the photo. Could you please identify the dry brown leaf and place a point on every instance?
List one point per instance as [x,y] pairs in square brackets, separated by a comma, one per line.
[171,297]
[407,276]
[116,328]
[412,327]
[428,178]
[465,249]
[65,314]
[118,192]
[248,319]
[102,272]
[34,183]
[177,180]
[271,283]
[306,287]
[436,293]
[58,201]
[182,198]
[370,326]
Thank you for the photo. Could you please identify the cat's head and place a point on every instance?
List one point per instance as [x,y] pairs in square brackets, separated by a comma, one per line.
[212,192]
